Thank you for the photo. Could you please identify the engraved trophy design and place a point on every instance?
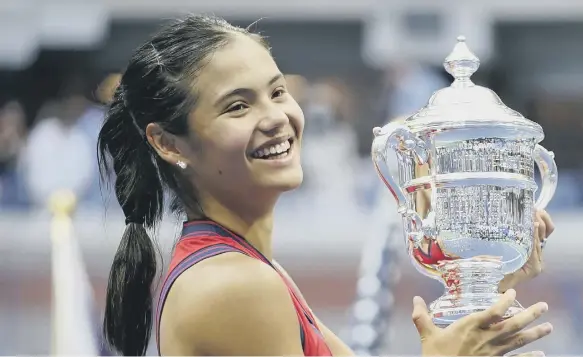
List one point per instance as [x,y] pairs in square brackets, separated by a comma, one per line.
[475,157]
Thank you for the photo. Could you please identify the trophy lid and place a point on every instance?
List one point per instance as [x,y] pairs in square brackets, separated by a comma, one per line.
[465,104]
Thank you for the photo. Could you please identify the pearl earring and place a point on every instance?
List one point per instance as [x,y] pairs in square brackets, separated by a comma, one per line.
[181,164]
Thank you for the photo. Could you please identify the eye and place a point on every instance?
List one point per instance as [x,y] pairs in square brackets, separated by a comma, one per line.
[236,107]
[278,92]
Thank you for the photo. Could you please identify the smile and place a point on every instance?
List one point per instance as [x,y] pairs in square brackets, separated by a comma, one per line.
[274,152]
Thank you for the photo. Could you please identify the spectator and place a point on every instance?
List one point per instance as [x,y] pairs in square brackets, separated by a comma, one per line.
[59,155]
[12,135]
[12,140]
[90,123]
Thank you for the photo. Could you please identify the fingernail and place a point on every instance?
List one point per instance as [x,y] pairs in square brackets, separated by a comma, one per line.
[544,307]
[418,300]
[547,327]
[536,225]
[537,354]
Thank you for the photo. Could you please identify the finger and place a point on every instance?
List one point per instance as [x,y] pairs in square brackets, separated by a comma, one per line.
[422,318]
[538,239]
[519,321]
[538,248]
[542,227]
[495,313]
[537,235]
[523,338]
[550,226]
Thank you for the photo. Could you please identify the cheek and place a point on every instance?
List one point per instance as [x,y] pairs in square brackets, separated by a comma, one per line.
[221,160]
[296,116]
[228,146]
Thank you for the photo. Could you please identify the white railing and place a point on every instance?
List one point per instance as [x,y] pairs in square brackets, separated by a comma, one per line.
[322,234]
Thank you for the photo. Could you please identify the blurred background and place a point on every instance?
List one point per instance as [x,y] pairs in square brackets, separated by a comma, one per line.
[352,65]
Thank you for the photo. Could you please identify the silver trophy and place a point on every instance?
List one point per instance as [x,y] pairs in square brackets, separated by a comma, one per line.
[473,159]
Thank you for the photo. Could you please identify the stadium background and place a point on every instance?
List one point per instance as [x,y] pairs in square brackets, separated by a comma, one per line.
[351,65]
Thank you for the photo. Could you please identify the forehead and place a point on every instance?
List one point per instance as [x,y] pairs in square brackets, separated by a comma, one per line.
[243,63]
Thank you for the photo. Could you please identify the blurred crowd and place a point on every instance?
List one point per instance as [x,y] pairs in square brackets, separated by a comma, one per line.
[53,147]
[57,149]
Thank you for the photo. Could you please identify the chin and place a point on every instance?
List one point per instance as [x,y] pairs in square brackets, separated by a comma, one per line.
[287,182]
[290,186]
[292,182]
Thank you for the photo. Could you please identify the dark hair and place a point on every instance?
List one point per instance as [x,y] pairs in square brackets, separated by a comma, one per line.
[155,88]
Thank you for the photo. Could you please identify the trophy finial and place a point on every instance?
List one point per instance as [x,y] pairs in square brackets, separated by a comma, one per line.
[461,62]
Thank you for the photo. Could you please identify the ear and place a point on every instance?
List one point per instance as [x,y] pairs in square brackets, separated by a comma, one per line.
[165,144]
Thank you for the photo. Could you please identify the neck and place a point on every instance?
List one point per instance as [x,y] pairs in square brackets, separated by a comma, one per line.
[252,223]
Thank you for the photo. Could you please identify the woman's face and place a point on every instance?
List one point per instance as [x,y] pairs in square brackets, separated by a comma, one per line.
[246,127]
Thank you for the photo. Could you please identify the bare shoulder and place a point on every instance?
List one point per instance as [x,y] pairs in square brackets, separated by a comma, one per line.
[231,304]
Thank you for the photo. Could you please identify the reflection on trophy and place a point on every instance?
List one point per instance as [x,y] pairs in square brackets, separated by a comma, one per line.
[480,156]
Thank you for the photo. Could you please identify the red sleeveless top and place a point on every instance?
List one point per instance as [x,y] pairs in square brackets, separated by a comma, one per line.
[204,239]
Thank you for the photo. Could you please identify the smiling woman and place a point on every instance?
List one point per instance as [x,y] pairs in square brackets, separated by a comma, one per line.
[203,112]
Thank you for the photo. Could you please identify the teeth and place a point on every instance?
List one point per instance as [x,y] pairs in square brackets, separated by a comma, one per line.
[274,149]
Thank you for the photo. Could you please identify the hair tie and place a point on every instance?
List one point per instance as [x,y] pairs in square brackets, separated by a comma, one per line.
[130,220]
[130,213]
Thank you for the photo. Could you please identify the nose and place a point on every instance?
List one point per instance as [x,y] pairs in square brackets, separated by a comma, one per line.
[273,119]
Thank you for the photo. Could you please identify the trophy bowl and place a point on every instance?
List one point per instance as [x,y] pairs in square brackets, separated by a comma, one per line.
[466,188]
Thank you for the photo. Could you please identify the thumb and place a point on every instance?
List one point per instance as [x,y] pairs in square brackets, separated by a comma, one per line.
[421,318]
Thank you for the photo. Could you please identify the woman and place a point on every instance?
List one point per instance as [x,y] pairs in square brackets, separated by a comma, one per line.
[202,112]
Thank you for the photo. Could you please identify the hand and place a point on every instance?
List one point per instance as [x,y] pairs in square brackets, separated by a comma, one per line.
[482,333]
[543,228]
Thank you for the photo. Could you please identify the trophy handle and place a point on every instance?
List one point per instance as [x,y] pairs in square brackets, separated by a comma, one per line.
[545,160]
[402,141]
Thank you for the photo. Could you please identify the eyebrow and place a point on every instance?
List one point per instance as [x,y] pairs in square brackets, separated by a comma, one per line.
[246,92]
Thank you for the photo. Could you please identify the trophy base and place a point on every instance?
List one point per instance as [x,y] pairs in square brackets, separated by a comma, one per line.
[448,309]
[472,286]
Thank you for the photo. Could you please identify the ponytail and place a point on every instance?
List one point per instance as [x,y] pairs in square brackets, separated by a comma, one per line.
[128,311]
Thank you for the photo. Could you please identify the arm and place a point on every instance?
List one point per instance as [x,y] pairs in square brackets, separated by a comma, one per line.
[231,305]
[336,345]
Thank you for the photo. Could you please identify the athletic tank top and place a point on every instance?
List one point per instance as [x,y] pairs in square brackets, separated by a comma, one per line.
[204,239]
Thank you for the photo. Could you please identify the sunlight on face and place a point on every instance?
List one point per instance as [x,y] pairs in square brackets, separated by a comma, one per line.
[247,126]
